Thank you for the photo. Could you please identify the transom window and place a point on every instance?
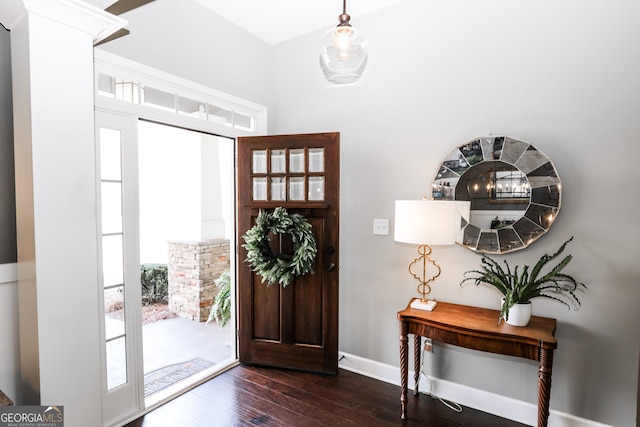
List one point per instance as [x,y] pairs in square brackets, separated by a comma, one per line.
[127,90]
[126,86]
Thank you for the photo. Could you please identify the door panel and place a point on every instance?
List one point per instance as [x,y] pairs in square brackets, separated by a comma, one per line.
[266,322]
[294,326]
[308,304]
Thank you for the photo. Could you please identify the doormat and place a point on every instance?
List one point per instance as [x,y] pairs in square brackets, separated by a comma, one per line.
[164,377]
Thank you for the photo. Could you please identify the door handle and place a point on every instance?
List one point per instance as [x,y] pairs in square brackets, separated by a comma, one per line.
[331,267]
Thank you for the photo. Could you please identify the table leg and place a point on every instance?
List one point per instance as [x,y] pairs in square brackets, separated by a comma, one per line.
[417,344]
[404,368]
[544,386]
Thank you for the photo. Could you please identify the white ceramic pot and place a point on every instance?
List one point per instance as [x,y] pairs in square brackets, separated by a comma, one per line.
[519,314]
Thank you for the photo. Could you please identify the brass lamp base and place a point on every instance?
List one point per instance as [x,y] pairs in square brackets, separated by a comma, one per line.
[425,305]
[423,288]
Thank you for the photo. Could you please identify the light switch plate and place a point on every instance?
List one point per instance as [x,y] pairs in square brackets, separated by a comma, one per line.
[381,227]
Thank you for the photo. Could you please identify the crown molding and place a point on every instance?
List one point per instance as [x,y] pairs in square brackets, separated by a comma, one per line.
[74,13]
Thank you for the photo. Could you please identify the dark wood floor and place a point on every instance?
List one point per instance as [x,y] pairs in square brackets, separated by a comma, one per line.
[248,395]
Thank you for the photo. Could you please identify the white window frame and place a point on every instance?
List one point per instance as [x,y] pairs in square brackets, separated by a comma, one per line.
[110,64]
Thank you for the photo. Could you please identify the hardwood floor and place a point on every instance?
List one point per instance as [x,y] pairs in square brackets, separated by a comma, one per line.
[250,395]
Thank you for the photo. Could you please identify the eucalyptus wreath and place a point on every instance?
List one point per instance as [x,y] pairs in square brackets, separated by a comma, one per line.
[281,268]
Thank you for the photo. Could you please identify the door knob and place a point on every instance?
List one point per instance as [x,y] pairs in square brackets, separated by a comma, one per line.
[331,267]
[331,250]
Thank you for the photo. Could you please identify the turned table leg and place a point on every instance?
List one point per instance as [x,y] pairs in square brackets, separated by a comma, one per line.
[417,343]
[544,386]
[404,368]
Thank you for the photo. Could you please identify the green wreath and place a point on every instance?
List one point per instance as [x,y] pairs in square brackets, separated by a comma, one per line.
[280,268]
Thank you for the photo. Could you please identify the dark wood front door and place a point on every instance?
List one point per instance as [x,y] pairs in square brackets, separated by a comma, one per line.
[294,326]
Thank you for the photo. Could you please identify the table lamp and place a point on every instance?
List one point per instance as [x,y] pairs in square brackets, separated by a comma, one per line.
[428,222]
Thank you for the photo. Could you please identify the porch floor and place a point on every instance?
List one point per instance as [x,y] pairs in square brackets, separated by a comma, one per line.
[169,342]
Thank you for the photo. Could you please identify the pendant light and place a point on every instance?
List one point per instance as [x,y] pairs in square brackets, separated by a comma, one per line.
[343,51]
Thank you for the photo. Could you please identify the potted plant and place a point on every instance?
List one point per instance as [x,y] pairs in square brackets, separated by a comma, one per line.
[221,306]
[522,284]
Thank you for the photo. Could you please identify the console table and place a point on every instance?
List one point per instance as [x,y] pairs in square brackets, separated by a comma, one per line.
[478,329]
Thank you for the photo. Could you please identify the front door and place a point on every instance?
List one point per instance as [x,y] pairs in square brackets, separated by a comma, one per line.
[294,326]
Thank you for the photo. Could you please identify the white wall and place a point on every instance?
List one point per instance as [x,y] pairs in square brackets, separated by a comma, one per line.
[186,39]
[562,75]
[9,353]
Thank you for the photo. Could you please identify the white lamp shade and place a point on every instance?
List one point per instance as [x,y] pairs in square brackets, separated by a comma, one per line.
[432,222]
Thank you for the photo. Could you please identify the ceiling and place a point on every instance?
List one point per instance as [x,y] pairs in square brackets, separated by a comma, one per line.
[277,20]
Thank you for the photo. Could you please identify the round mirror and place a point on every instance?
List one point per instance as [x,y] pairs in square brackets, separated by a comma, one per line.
[513,188]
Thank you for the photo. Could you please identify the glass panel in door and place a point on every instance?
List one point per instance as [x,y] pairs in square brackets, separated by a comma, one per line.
[288,175]
[120,351]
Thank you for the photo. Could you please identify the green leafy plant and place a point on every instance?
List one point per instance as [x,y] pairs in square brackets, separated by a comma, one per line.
[155,283]
[523,284]
[221,306]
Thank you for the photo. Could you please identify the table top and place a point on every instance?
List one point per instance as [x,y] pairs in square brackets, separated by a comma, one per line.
[482,322]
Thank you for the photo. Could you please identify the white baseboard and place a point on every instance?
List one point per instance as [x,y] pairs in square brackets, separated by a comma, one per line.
[8,273]
[502,406]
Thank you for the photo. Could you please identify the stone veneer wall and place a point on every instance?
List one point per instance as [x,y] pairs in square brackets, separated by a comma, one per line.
[193,267]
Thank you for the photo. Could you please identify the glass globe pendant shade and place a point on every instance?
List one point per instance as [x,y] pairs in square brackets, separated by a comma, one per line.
[343,54]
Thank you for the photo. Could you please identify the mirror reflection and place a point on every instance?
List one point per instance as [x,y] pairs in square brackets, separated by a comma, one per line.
[513,188]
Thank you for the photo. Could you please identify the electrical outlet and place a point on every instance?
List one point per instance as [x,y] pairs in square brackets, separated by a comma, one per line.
[428,345]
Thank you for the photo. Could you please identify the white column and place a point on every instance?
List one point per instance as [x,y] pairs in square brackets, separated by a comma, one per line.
[52,67]
[212,224]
